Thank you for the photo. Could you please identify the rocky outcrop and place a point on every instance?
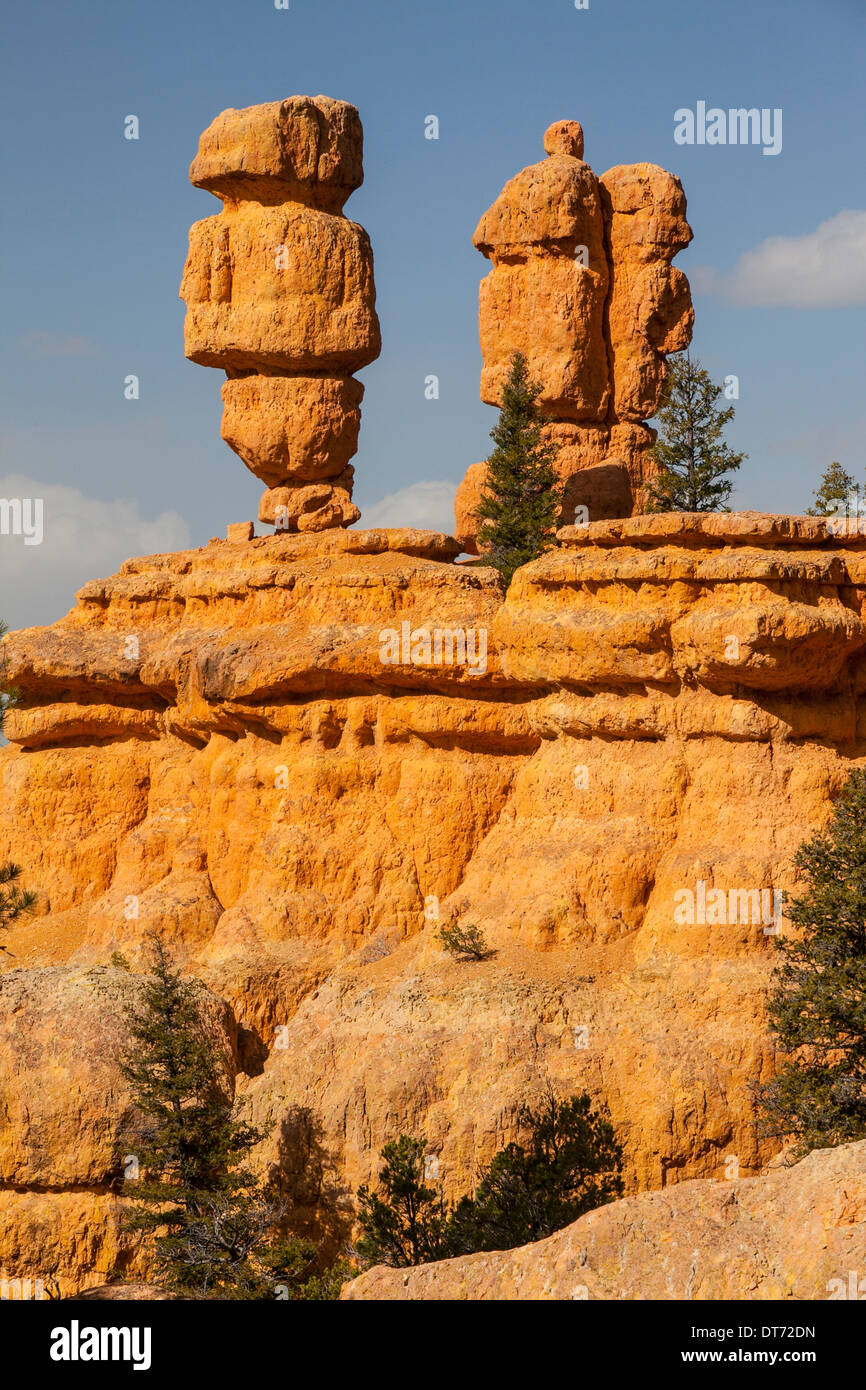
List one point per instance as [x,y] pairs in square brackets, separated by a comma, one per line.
[582,284]
[127,1293]
[263,749]
[546,293]
[279,293]
[796,1233]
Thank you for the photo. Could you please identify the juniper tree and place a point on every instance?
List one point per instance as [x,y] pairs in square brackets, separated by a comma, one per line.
[521,499]
[834,493]
[214,1227]
[817,1008]
[13,900]
[693,457]
[464,942]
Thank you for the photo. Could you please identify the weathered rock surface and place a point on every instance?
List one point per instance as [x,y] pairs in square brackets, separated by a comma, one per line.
[279,293]
[256,743]
[61,1031]
[551,310]
[69,1240]
[292,427]
[304,150]
[127,1293]
[650,312]
[282,288]
[607,490]
[582,285]
[310,508]
[794,1233]
[539,298]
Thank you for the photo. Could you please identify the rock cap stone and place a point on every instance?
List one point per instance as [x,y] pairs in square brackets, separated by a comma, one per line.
[307,149]
[564,137]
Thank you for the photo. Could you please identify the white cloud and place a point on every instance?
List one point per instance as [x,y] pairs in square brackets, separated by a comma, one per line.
[429,506]
[84,538]
[40,344]
[824,269]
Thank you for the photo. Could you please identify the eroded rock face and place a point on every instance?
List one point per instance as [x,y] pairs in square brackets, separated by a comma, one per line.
[582,284]
[279,293]
[538,298]
[304,150]
[795,1233]
[291,787]
[291,430]
[650,312]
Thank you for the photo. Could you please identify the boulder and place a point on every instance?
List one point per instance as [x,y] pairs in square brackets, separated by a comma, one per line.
[305,150]
[292,429]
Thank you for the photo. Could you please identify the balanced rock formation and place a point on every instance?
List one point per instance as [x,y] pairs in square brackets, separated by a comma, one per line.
[795,1233]
[257,746]
[582,284]
[279,293]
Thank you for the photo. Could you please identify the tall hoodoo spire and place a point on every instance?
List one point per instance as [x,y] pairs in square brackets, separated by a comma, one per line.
[279,293]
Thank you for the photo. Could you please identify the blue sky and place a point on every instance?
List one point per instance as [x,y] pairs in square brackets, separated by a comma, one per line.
[95,232]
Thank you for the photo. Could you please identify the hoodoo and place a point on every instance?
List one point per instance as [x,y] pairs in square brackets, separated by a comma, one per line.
[279,293]
[582,284]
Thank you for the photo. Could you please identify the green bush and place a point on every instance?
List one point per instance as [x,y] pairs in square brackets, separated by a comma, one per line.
[464,942]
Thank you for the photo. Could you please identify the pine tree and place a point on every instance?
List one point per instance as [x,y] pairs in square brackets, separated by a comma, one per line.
[404,1226]
[13,900]
[215,1229]
[693,457]
[835,493]
[521,501]
[817,1010]
[571,1164]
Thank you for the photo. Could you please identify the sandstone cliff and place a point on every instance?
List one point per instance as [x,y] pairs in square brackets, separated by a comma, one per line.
[245,746]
